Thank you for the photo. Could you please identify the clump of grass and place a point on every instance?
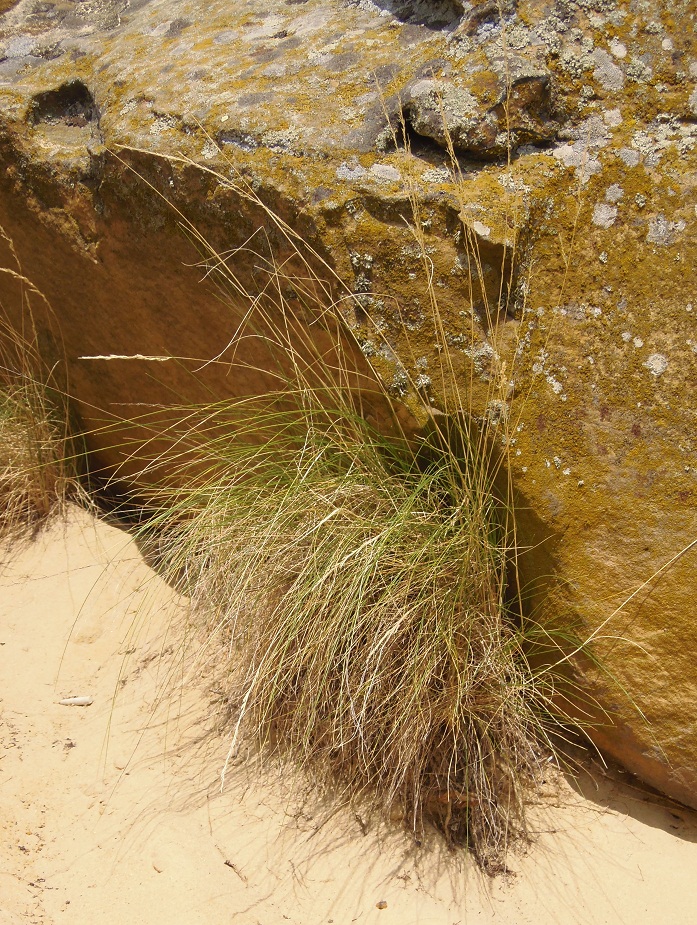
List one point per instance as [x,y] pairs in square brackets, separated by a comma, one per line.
[356,586]
[34,481]
[36,457]
[359,589]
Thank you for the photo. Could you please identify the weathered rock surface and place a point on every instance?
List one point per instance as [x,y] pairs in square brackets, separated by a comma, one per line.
[576,123]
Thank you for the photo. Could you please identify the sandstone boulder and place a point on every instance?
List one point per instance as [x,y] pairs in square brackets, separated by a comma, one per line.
[575,123]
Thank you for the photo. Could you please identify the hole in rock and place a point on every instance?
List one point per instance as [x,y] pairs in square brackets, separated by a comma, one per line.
[420,145]
[71,104]
[433,14]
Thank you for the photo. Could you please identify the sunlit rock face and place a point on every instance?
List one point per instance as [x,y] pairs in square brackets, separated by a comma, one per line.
[573,331]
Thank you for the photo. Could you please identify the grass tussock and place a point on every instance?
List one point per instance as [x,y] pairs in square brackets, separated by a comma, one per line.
[359,589]
[34,477]
[36,456]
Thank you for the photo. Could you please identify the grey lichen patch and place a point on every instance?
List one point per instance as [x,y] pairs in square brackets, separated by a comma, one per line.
[663,232]
[578,156]
[618,49]
[385,173]
[585,141]
[399,384]
[426,100]
[693,102]
[282,140]
[614,193]
[485,360]
[239,139]
[662,135]
[637,342]
[350,171]
[608,74]
[576,63]
[497,413]
[422,382]
[437,175]
[604,215]
[612,117]
[629,156]
[656,364]
[164,124]
[639,72]
[578,311]
[363,269]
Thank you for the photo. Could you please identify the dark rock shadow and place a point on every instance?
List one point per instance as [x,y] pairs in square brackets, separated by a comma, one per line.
[433,14]
[71,103]
[613,788]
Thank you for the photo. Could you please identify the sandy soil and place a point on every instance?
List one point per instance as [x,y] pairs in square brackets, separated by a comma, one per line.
[112,813]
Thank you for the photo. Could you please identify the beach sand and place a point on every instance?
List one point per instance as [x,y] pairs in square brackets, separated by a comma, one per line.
[112,813]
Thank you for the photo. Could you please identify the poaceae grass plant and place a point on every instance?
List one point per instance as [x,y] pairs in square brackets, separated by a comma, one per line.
[358,592]
[353,581]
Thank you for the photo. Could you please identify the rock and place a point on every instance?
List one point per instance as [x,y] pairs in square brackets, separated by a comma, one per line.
[518,110]
[575,128]
[480,13]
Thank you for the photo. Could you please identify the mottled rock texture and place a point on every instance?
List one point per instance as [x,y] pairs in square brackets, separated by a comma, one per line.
[575,123]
